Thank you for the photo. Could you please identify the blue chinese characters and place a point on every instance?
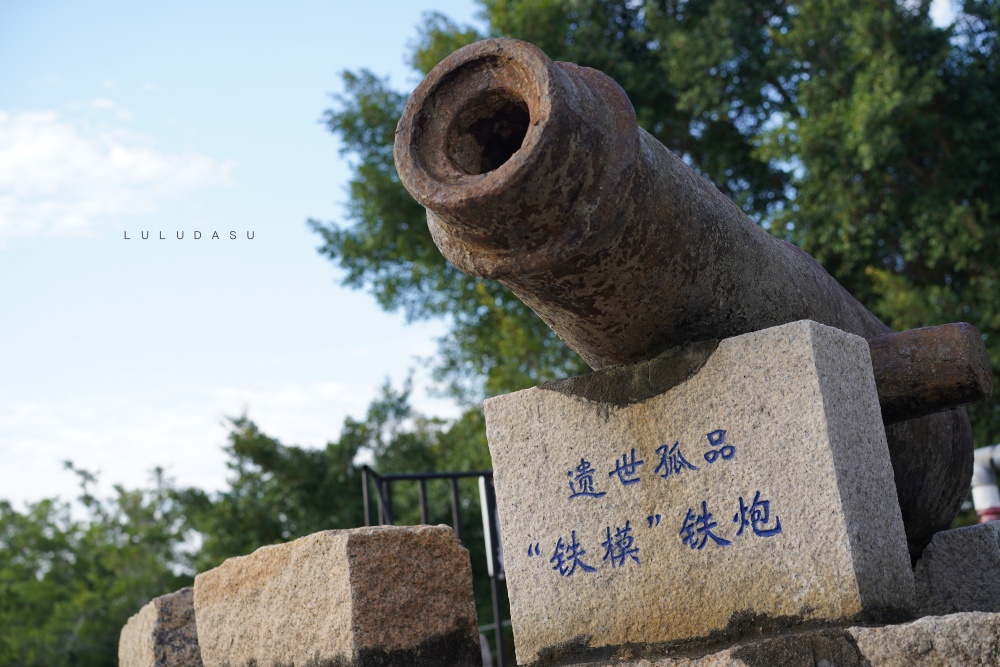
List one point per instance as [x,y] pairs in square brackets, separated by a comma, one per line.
[757,516]
[698,528]
[567,557]
[583,483]
[671,464]
[627,469]
[622,546]
[718,439]
[672,461]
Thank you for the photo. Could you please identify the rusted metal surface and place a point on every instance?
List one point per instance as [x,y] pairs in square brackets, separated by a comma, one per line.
[923,371]
[534,173]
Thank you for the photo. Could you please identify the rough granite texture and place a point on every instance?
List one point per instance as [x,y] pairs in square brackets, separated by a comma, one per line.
[162,634]
[384,595]
[960,571]
[799,408]
[959,640]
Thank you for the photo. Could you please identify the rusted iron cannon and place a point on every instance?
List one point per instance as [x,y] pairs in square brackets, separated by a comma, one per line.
[534,173]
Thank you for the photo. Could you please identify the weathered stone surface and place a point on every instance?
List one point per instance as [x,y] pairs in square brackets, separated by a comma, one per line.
[804,497]
[959,640]
[162,634]
[968,639]
[385,595]
[960,571]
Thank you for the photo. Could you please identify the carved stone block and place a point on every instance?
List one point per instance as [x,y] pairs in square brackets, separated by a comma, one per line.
[755,492]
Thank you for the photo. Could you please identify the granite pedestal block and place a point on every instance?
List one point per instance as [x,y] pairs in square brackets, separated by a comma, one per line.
[162,634]
[341,598]
[756,491]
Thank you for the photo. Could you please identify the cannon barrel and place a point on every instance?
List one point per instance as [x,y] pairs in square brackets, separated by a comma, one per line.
[535,173]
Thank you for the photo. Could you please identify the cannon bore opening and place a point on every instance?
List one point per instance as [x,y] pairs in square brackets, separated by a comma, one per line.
[488,131]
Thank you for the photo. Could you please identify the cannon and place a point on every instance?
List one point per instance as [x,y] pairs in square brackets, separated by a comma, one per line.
[535,173]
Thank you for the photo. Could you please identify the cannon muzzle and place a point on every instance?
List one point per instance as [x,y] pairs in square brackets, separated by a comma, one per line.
[535,173]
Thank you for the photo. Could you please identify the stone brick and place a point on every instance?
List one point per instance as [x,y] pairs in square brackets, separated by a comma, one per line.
[368,596]
[966,640]
[799,409]
[960,571]
[162,634]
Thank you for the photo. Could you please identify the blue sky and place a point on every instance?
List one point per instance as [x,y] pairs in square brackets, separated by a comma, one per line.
[118,118]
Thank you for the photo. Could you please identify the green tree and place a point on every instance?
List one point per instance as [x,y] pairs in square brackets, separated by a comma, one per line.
[897,142]
[860,131]
[68,585]
[72,574]
[280,492]
[276,493]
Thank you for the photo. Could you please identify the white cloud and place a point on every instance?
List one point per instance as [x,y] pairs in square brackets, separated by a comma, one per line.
[306,414]
[104,104]
[56,180]
[125,436]
[183,429]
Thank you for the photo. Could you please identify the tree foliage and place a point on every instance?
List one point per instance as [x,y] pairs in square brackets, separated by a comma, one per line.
[68,584]
[894,143]
[276,493]
[280,492]
[72,574]
[860,131]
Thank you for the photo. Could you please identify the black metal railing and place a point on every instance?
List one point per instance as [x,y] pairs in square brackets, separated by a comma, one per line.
[491,532]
